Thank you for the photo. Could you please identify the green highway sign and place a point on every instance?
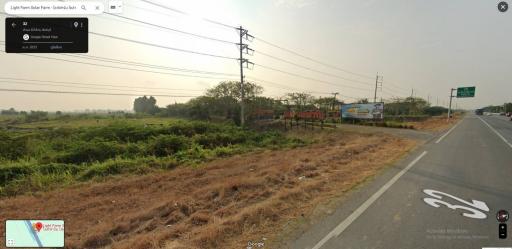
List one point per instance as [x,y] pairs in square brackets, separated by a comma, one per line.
[466,92]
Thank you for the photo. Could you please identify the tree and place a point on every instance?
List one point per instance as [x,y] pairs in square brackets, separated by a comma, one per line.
[508,107]
[145,105]
[259,105]
[363,101]
[36,116]
[435,110]
[301,100]
[406,106]
[200,107]
[11,111]
[232,89]
[224,99]
[326,103]
[176,110]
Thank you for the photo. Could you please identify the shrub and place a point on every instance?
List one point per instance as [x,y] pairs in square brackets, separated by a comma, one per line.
[435,110]
[194,154]
[96,150]
[165,145]
[119,131]
[11,172]
[226,151]
[59,168]
[12,148]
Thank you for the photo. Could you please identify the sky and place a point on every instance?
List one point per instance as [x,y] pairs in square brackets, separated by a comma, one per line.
[423,48]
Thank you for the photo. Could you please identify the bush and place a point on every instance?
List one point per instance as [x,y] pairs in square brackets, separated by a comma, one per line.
[165,145]
[226,151]
[12,148]
[113,167]
[64,155]
[213,140]
[119,131]
[59,168]
[191,128]
[435,110]
[36,116]
[96,150]
[11,172]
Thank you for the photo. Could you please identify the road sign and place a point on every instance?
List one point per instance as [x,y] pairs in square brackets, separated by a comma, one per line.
[466,92]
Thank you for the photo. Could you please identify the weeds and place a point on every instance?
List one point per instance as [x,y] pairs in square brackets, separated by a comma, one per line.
[43,159]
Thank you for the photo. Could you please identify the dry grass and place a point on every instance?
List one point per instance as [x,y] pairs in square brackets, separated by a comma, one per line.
[438,123]
[222,204]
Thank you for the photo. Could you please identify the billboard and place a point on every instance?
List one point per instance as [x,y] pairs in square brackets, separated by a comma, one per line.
[363,111]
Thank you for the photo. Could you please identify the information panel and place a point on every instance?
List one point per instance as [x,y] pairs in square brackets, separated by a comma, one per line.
[466,92]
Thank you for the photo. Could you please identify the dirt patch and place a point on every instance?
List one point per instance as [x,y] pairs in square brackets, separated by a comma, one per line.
[222,204]
[438,123]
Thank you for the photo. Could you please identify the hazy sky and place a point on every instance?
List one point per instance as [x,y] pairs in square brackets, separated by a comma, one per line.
[428,46]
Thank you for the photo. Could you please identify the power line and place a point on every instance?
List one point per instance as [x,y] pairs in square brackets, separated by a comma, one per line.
[271,44]
[299,90]
[132,63]
[139,64]
[161,46]
[207,54]
[309,78]
[278,85]
[274,45]
[392,88]
[123,68]
[93,93]
[171,29]
[311,59]
[82,87]
[97,84]
[311,69]
[188,14]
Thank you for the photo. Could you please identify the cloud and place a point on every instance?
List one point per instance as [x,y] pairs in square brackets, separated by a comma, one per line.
[294,3]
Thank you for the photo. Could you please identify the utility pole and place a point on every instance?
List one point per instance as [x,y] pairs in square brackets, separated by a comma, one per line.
[244,48]
[378,84]
[450,107]
[412,92]
[334,99]
[437,101]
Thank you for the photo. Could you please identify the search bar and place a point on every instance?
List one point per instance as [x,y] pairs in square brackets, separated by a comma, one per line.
[54,8]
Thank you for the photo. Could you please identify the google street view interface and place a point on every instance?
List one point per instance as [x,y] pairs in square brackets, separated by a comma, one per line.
[308,124]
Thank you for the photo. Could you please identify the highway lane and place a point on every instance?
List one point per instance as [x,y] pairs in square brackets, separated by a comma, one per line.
[501,124]
[468,170]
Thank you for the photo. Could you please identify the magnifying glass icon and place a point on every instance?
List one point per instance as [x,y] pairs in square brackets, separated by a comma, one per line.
[83,7]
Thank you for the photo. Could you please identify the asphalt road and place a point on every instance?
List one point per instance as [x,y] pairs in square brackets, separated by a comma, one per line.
[467,170]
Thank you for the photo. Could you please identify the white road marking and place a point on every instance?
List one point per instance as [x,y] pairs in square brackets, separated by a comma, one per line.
[448,132]
[438,196]
[352,217]
[497,133]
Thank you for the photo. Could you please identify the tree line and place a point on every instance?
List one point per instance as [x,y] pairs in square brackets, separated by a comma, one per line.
[223,102]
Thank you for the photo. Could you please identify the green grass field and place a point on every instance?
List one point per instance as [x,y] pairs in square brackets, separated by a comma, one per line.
[43,155]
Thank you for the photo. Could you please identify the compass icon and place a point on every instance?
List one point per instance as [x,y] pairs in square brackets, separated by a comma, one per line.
[502,216]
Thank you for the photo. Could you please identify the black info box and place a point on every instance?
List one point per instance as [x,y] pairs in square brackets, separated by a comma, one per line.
[46,35]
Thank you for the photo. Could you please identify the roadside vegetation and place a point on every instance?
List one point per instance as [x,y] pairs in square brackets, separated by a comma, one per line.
[187,175]
[223,203]
[505,108]
[41,150]
[40,159]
